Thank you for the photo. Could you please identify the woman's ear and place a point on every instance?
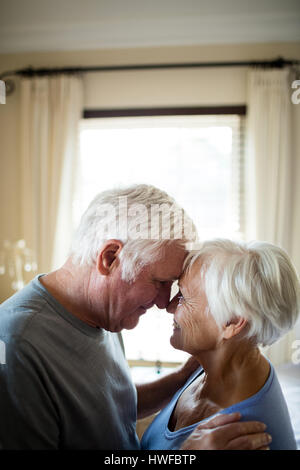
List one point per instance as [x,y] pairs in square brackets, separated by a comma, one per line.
[107,258]
[234,326]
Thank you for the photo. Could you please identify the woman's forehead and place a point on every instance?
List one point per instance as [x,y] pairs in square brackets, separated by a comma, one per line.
[191,276]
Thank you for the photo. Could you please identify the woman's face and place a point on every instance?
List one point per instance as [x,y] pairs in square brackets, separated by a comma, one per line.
[195,329]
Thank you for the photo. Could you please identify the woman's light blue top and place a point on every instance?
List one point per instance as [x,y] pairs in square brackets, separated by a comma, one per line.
[268,405]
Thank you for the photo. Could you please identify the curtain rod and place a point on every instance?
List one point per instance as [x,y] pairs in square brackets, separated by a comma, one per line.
[31,72]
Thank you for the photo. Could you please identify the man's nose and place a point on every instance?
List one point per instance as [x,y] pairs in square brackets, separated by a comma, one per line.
[171,308]
[163,296]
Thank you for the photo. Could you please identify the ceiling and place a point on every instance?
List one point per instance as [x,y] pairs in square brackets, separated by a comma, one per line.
[43,25]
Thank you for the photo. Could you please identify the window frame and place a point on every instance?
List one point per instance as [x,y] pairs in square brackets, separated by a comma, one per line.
[240,110]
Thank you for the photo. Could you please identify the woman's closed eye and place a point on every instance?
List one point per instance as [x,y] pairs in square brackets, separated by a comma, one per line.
[180,297]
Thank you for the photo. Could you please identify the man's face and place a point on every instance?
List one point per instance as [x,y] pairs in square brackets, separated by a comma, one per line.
[127,302]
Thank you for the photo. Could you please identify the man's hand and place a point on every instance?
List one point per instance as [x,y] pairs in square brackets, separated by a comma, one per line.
[186,369]
[153,396]
[226,432]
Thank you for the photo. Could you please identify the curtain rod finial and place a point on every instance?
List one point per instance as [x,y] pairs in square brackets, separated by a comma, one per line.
[279,63]
[9,86]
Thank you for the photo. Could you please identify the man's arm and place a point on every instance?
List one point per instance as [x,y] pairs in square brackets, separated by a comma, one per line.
[153,396]
[226,432]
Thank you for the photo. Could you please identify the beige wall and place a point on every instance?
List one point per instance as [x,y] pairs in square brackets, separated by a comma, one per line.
[133,89]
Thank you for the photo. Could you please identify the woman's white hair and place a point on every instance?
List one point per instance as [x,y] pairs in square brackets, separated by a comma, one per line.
[255,280]
[143,217]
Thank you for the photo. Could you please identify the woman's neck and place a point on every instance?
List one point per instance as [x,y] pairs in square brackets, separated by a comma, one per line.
[233,372]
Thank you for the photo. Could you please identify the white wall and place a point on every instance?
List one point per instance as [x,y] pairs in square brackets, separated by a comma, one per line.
[177,87]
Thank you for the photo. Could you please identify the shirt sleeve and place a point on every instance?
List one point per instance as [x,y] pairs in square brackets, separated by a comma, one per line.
[29,417]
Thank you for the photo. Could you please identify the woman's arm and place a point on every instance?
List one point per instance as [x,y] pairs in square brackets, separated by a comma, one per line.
[153,396]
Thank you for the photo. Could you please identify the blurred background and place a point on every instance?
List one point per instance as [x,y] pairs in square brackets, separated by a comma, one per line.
[200,98]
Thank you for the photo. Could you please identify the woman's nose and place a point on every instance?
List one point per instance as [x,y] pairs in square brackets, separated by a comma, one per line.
[171,308]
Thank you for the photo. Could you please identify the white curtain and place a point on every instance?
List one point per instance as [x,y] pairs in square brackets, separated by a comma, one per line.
[49,115]
[269,171]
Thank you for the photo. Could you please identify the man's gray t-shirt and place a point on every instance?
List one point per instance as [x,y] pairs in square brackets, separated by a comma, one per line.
[65,384]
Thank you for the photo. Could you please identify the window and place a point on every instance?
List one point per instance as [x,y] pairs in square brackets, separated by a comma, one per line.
[197,159]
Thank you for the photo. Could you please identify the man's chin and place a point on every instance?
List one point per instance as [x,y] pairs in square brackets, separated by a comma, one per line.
[131,322]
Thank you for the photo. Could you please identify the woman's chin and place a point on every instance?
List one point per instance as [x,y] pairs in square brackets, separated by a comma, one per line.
[175,340]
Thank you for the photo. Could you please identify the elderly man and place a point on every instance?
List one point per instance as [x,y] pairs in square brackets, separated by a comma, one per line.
[66,383]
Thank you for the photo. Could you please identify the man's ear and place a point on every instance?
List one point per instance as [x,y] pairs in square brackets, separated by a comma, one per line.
[234,327]
[107,258]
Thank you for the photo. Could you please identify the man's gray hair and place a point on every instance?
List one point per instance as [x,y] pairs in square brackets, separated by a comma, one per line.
[254,280]
[143,217]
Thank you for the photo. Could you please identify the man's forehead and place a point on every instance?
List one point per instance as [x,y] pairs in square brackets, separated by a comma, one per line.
[167,271]
[171,266]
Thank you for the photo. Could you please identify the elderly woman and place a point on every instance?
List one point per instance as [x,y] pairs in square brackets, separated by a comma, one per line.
[233,298]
